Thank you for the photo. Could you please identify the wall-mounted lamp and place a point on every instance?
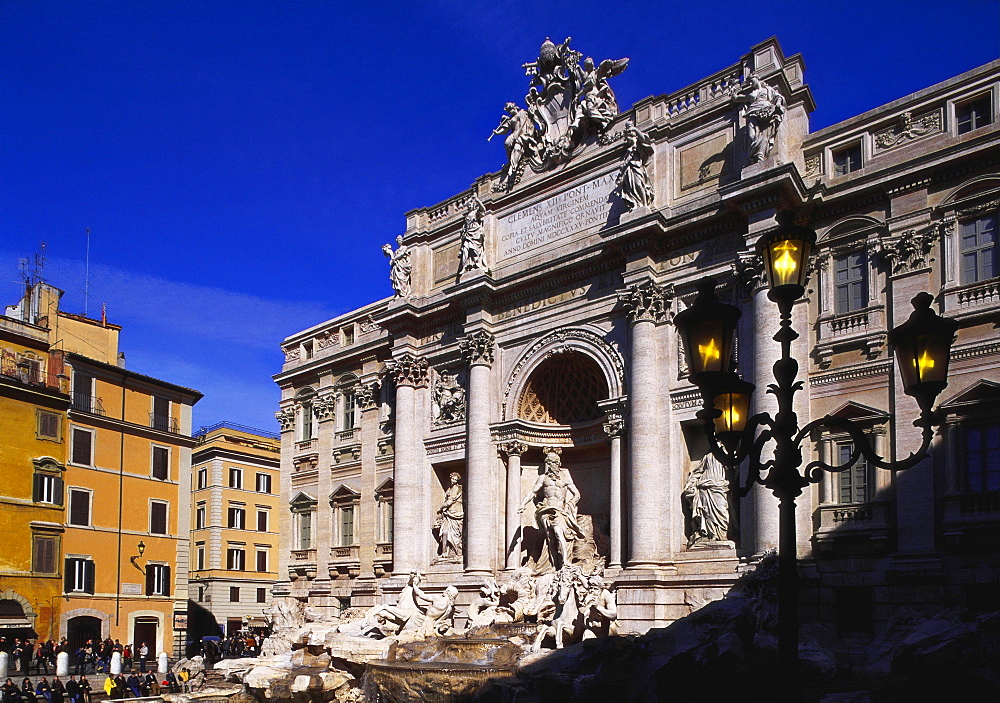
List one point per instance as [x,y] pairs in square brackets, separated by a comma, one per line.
[142,548]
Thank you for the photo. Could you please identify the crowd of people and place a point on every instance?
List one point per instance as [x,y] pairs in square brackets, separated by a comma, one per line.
[73,691]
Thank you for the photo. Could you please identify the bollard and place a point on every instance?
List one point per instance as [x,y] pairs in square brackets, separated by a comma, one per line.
[116,663]
[62,664]
[4,658]
[162,663]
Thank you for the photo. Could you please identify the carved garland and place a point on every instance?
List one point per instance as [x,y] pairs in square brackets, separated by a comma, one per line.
[560,342]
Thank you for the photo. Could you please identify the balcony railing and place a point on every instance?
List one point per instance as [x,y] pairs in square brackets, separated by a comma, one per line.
[866,520]
[88,404]
[965,512]
[164,423]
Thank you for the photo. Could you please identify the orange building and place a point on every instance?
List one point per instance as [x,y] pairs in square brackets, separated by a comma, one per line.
[123,551]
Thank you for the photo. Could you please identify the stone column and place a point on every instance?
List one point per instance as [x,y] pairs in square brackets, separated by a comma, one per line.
[324,437]
[953,439]
[649,506]
[409,372]
[365,397]
[615,428]
[826,486]
[512,547]
[480,496]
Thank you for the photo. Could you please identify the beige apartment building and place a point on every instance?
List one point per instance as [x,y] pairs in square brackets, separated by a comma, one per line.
[234,527]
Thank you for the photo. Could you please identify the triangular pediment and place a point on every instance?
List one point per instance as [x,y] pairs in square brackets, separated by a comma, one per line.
[859,413]
[982,391]
[385,487]
[344,492]
[302,499]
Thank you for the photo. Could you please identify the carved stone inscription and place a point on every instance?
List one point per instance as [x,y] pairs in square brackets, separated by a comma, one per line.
[584,207]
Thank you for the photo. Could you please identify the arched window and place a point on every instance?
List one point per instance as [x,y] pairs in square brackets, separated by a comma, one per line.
[564,389]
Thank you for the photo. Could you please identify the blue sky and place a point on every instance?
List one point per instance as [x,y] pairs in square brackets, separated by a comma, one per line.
[240,163]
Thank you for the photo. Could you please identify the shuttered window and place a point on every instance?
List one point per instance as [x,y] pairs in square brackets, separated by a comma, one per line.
[43,554]
[83,447]
[48,425]
[854,481]
[157,580]
[161,463]
[79,507]
[158,518]
[48,489]
[978,249]
[850,283]
[79,576]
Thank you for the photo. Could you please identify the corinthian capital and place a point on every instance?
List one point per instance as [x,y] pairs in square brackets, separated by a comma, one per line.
[285,418]
[409,370]
[477,348]
[748,268]
[646,301]
[513,447]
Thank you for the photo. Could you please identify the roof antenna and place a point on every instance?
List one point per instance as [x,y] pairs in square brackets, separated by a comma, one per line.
[86,278]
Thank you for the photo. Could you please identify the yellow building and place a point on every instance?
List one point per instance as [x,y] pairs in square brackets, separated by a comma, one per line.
[123,556]
[234,504]
[33,403]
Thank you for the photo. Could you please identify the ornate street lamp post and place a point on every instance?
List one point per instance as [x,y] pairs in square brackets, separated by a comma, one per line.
[921,346]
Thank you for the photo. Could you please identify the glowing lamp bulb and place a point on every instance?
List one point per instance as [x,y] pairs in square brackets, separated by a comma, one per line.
[785,264]
[923,363]
[709,352]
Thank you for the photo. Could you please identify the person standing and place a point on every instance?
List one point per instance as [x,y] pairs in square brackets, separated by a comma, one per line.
[143,656]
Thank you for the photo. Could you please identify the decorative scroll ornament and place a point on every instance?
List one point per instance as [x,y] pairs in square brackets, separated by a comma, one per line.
[648,301]
[908,250]
[567,101]
[291,353]
[909,129]
[408,370]
[634,183]
[748,269]
[813,164]
[615,426]
[368,325]
[764,109]
[365,395]
[328,338]
[513,448]
[400,267]
[285,418]
[324,406]
[477,348]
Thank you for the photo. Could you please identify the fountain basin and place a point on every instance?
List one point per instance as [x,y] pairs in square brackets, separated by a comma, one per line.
[458,650]
[428,681]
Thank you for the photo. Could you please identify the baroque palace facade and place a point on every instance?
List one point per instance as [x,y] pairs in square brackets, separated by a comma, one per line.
[96,463]
[533,319]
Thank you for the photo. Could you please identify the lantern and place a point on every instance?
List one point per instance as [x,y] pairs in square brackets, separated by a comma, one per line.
[707,329]
[922,346]
[732,400]
[786,254]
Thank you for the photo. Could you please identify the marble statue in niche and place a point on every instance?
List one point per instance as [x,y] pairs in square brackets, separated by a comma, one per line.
[473,254]
[706,494]
[448,399]
[400,267]
[634,183]
[764,108]
[556,498]
[450,521]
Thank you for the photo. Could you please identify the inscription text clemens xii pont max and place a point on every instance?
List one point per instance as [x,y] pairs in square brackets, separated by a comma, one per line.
[584,207]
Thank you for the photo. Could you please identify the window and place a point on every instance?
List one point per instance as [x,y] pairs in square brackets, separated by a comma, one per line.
[855,481]
[83,392]
[305,530]
[850,283]
[79,575]
[157,580]
[847,160]
[43,554]
[974,114]
[978,249]
[48,426]
[201,558]
[262,560]
[199,517]
[237,518]
[161,463]
[234,594]
[202,478]
[157,517]
[383,512]
[346,525]
[263,483]
[79,507]
[348,335]
[982,458]
[236,478]
[83,447]
[160,418]
[348,419]
[236,559]
[306,420]
[261,521]
[262,595]
[307,350]
[48,489]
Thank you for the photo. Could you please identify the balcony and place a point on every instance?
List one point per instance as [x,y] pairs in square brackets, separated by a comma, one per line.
[383,558]
[345,561]
[303,563]
[965,513]
[852,527]
[164,423]
[88,404]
